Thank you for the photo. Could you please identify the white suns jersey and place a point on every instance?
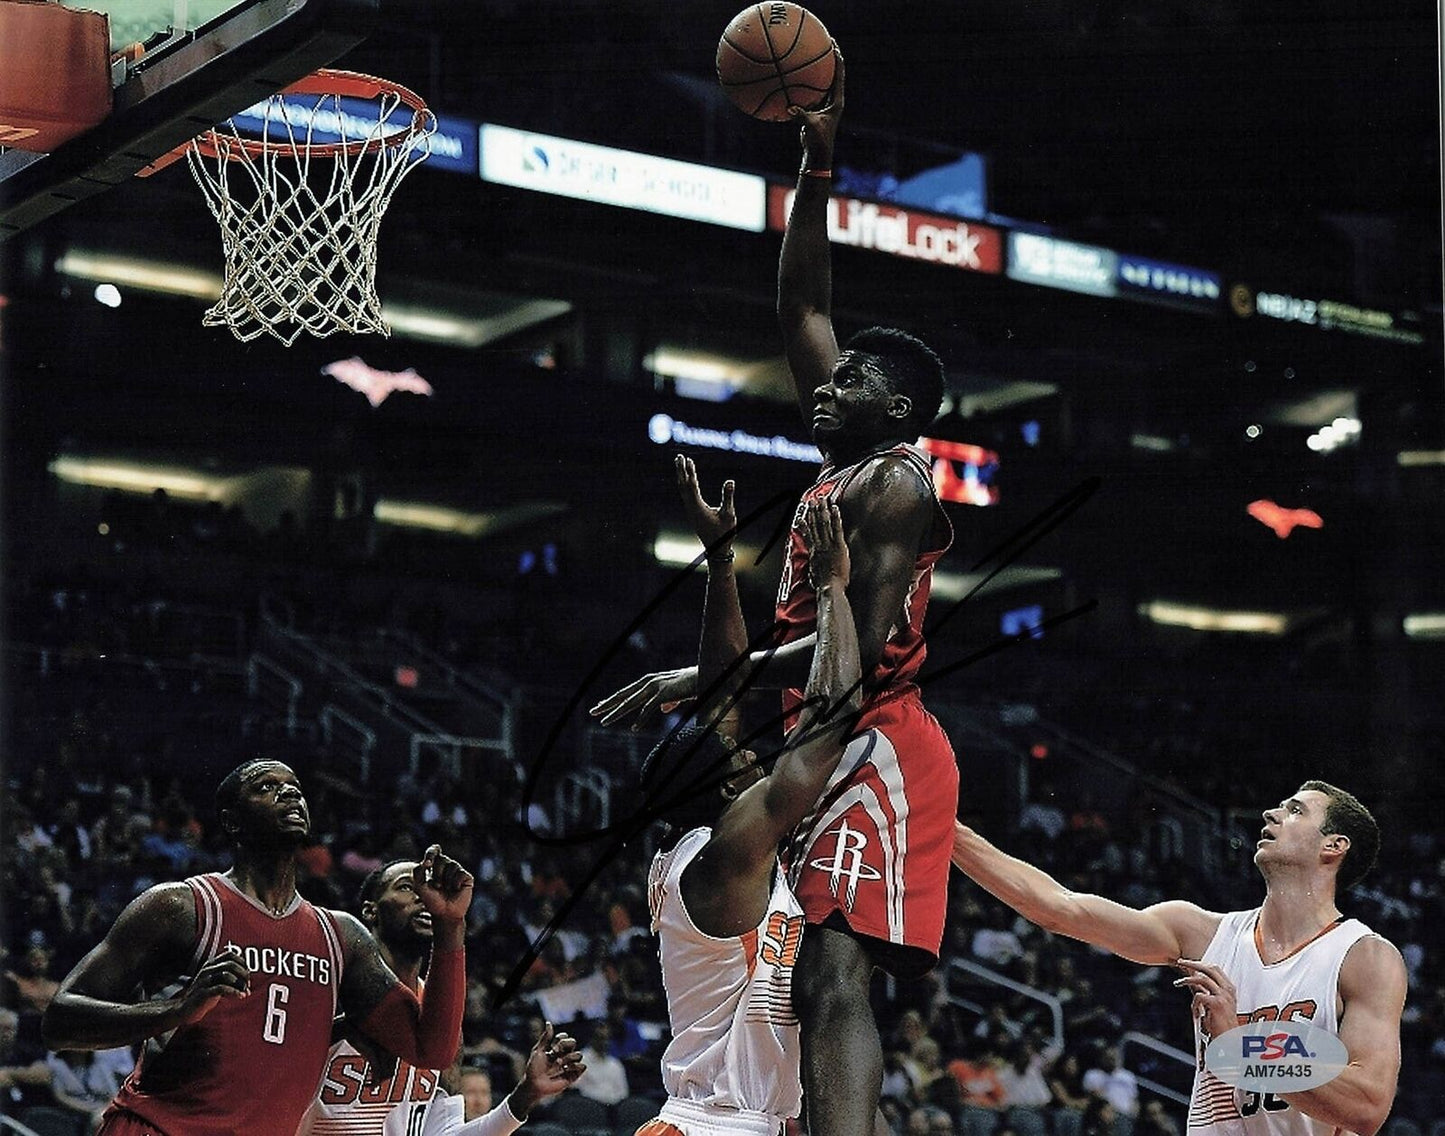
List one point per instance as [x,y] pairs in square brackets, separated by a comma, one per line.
[345,1105]
[729,1001]
[1305,985]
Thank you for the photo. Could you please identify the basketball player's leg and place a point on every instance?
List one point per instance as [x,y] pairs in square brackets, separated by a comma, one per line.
[842,1055]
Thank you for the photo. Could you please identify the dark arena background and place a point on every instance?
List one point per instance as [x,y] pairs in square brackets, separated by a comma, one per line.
[1182,261]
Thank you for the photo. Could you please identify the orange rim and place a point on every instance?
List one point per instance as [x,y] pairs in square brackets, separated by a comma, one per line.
[325,81]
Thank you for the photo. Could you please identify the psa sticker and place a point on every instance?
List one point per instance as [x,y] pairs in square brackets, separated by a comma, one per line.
[1276,1057]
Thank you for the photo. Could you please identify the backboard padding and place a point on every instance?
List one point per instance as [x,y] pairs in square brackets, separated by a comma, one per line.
[198,81]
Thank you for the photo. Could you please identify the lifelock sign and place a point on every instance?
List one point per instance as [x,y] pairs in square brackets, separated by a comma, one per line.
[900,232]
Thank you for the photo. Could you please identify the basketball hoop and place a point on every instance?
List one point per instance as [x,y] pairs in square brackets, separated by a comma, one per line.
[301,250]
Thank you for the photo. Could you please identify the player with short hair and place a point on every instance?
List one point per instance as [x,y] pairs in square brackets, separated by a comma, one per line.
[728,926]
[1295,957]
[367,1093]
[233,980]
[870,865]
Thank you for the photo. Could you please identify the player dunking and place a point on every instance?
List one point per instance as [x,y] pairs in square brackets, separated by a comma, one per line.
[241,1045]
[870,868]
[1295,956]
[728,926]
[358,1099]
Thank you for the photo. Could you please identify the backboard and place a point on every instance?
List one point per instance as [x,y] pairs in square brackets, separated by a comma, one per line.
[204,61]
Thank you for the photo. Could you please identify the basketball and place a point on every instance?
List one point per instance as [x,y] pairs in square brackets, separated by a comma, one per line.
[774,56]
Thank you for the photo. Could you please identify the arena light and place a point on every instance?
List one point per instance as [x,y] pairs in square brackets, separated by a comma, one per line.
[147,275]
[1215,619]
[442,325]
[955,586]
[140,477]
[1425,625]
[432,517]
[702,366]
[435,518]
[676,549]
[1341,432]
[699,374]
[1420,457]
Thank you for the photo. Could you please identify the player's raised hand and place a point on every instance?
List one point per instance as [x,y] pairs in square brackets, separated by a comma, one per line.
[225,976]
[819,128]
[647,698]
[715,525]
[443,886]
[1216,1004]
[828,560]
[553,1065]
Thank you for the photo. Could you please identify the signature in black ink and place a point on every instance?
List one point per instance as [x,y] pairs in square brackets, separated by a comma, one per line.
[659,799]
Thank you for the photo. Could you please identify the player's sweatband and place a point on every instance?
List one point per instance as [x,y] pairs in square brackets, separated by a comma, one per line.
[425,1033]
[501,1121]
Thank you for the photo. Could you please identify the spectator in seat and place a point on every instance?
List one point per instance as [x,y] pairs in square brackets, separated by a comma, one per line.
[1153,1121]
[977,1076]
[1110,1080]
[1022,1077]
[606,1078]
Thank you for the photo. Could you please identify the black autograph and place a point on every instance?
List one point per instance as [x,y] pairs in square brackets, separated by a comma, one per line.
[657,799]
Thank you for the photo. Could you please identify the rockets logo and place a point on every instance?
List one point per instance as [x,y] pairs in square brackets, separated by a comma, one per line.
[847,862]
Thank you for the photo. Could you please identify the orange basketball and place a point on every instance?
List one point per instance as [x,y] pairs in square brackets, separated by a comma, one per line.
[773,56]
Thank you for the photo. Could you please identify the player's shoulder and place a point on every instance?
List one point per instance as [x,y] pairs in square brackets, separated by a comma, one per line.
[351,934]
[891,480]
[174,897]
[1373,975]
[348,926]
[1372,957]
[161,917]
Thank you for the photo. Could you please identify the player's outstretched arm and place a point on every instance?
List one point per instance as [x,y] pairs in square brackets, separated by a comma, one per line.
[150,944]
[1158,935]
[722,650]
[553,1066]
[424,1032]
[731,877]
[1372,987]
[724,635]
[805,269]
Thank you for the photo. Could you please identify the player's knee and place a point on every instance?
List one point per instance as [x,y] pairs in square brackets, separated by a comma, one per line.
[830,980]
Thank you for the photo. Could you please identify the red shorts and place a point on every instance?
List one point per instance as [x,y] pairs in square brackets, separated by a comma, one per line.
[876,849]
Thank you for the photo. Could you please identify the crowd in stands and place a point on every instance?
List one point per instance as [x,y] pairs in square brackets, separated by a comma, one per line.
[93,816]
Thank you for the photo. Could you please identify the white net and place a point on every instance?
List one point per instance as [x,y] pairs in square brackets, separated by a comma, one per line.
[300,214]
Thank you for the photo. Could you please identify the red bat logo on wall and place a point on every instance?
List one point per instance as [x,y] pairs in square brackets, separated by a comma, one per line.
[376,385]
[1283,521]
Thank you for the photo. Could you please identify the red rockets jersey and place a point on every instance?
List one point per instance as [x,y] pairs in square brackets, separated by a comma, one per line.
[251,1064]
[797,609]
